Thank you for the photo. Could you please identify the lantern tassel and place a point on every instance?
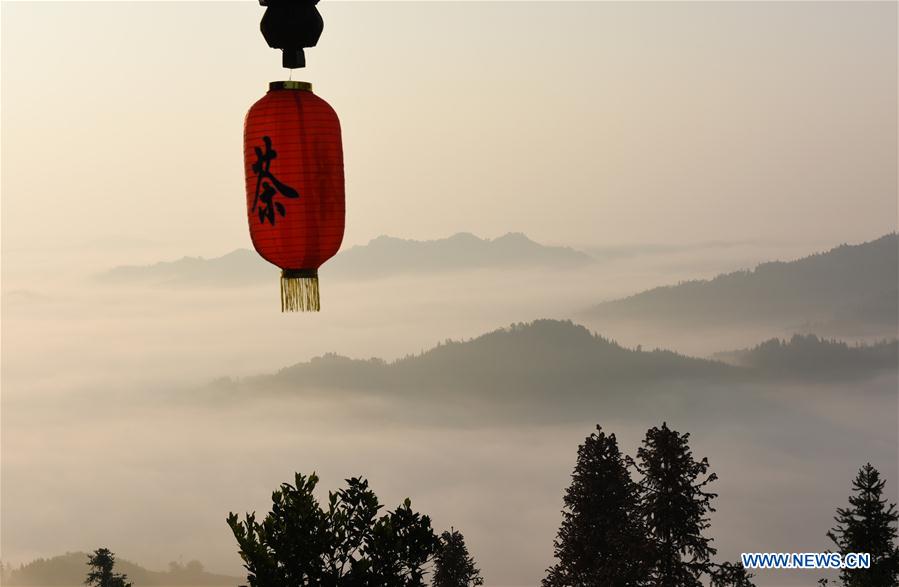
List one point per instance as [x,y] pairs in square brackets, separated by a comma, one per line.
[299,291]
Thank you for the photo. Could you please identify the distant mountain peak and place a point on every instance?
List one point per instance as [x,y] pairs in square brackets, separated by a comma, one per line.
[514,237]
[383,256]
[464,236]
[535,359]
[237,254]
[845,291]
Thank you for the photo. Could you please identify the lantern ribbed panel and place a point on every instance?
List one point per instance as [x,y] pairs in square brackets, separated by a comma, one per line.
[304,231]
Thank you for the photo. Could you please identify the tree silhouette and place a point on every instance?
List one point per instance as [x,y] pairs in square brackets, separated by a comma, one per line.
[602,539]
[194,567]
[675,508]
[299,544]
[101,563]
[453,566]
[868,525]
[731,575]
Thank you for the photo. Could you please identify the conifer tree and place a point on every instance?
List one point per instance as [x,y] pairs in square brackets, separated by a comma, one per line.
[453,566]
[868,525]
[601,540]
[675,507]
[101,563]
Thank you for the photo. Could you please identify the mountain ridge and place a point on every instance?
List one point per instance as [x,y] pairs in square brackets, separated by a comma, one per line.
[383,256]
[71,568]
[525,357]
[854,284]
[813,357]
[557,358]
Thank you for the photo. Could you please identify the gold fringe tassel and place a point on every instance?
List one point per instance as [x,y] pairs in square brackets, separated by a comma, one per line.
[299,294]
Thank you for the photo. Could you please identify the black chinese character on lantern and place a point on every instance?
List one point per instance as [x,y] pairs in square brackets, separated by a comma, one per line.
[268,186]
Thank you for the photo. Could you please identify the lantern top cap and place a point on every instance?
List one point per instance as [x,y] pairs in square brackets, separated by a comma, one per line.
[290,85]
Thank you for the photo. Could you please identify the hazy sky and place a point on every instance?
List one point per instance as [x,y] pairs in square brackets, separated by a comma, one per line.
[577,123]
[769,124]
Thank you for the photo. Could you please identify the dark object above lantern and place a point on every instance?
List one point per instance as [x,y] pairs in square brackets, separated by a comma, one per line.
[291,25]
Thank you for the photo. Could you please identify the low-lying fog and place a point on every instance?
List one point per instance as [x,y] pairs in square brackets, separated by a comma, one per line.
[107,442]
[62,329]
[152,474]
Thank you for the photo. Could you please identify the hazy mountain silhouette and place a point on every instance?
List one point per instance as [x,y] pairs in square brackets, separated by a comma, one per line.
[383,256]
[811,357]
[851,289]
[551,361]
[545,357]
[387,255]
[70,569]
[239,267]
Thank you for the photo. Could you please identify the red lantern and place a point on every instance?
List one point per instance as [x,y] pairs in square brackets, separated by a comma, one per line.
[293,160]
